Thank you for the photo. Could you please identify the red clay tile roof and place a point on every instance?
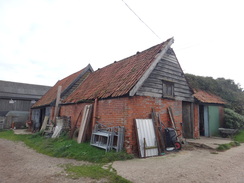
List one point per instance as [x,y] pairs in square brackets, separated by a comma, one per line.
[116,79]
[206,97]
[51,95]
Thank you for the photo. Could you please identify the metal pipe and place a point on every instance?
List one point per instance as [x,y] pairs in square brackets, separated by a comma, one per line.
[94,113]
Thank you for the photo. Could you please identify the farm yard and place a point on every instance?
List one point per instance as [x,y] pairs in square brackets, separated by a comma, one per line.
[22,164]
[140,106]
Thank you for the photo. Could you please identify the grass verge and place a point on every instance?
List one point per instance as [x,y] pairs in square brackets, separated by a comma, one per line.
[239,137]
[95,171]
[66,148]
[223,147]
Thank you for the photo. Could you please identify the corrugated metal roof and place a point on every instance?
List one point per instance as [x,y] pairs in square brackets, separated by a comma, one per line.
[18,113]
[116,79]
[145,130]
[22,90]
[206,97]
[51,95]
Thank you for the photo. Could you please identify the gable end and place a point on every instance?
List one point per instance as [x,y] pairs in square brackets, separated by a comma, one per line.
[151,68]
[168,70]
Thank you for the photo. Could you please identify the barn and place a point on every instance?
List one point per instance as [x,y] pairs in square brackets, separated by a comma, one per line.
[16,100]
[46,105]
[124,91]
[211,112]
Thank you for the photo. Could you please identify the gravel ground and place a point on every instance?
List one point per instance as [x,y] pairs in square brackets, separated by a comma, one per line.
[187,166]
[20,164]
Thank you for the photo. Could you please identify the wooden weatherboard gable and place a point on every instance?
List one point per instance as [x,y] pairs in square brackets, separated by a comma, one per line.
[167,69]
[151,68]
[82,76]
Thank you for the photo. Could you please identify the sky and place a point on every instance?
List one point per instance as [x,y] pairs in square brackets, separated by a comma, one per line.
[44,41]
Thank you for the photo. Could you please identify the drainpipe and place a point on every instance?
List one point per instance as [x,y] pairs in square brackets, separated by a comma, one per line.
[94,113]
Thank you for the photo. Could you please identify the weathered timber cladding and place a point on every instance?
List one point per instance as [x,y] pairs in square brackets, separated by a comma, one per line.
[18,105]
[47,111]
[36,116]
[75,85]
[168,69]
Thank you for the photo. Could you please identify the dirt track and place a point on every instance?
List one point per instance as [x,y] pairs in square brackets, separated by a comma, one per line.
[21,164]
[187,167]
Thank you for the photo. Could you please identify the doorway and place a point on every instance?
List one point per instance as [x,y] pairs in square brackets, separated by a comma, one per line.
[209,120]
[204,121]
[187,119]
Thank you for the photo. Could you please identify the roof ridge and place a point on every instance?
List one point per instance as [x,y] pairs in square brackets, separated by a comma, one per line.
[50,97]
[137,53]
[119,78]
[208,97]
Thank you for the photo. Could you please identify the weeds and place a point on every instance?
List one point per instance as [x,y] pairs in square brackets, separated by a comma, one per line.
[240,137]
[66,148]
[224,147]
[100,173]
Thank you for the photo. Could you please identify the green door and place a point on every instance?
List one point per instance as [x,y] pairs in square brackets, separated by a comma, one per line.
[213,120]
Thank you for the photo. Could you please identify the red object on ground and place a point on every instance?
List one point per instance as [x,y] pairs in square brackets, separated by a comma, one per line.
[29,123]
[12,126]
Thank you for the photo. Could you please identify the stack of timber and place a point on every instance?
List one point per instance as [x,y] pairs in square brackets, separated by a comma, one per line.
[177,131]
[44,123]
[171,117]
[47,127]
[58,127]
[158,131]
[62,125]
[73,130]
[86,118]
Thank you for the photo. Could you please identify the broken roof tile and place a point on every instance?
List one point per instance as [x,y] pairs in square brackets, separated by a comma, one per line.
[51,94]
[118,78]
[206,97]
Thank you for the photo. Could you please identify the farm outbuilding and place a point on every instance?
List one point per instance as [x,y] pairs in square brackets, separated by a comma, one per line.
[17,119]
[16,100]
[211,113]
[46,105]
[127,90]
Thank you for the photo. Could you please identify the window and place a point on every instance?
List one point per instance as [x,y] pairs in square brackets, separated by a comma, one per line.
[168,89]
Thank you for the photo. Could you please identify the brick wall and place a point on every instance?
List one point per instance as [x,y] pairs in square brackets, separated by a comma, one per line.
[73,111]
[196,121]
[124,110]
[112,112]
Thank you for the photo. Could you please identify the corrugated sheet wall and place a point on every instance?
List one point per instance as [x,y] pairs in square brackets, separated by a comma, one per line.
[145,130]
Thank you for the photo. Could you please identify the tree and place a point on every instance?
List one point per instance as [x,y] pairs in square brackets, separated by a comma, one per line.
[225,88]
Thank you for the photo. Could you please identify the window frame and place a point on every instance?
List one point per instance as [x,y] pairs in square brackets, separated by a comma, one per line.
[168,85]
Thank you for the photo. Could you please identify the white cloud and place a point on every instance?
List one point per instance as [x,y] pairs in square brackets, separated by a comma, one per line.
[43,41]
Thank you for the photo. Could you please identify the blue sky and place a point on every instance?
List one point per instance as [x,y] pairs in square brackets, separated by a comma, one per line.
[43,41]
